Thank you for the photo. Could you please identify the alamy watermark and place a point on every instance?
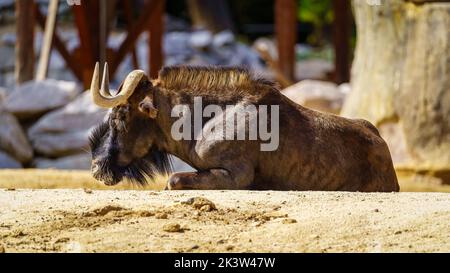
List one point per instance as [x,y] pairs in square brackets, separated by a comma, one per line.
[73,2]
[232,122]
[373,2]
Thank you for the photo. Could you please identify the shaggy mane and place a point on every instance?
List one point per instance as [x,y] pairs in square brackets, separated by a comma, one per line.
[210,80]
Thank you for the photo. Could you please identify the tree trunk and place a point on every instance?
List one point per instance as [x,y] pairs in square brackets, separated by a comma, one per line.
[401,79]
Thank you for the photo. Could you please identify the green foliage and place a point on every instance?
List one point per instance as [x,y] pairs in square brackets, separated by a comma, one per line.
[317,12]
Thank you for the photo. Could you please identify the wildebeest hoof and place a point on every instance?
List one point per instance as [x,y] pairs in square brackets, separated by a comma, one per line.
[181,181]
[174,183]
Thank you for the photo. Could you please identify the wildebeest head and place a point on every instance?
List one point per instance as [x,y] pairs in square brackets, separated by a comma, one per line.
[123,145]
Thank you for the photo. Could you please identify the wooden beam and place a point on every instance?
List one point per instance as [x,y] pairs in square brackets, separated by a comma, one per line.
[24,67]
[286,32]
[155,33]
[140,25]
[61,47]
[49,30]
[341,40]
[87,21]
[128,10]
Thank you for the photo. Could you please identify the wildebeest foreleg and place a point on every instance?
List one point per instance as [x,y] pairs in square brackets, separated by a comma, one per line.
[213,179]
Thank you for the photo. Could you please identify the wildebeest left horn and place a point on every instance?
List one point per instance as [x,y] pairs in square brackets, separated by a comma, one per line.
[103,97]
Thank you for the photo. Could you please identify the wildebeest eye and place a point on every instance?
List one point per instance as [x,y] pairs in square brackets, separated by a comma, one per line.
[97,135]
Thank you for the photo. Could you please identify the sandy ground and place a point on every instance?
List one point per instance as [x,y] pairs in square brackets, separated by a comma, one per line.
[231,221]
[58,179]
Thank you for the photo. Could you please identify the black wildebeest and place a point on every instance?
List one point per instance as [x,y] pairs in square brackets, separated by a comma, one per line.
[316,151]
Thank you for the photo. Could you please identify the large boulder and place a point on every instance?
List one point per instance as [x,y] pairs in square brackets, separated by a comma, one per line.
[57,145]
[7,162]
[35,98]
[73,162]
[79,115]
[401,82]
[66,130]
[13,139]
[318,95]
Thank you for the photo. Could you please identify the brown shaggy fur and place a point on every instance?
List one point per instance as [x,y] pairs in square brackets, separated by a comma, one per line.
[207,81]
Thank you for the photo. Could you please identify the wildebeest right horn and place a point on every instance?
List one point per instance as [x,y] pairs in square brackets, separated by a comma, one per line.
[103,97]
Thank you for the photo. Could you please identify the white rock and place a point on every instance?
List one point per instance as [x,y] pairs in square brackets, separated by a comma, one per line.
[176,43]
[79,115]
[66,131]
[7,162]
[8,58]
[9,39]
[74,162]
[201,39]
[35,98]
[318,95]
[223,38]
[13,139]
[345,88]
[57,145]
[313,69]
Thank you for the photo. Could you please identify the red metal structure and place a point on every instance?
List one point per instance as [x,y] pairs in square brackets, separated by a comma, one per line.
[92,21]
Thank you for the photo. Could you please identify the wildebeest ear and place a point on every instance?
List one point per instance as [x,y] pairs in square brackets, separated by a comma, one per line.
[147,107]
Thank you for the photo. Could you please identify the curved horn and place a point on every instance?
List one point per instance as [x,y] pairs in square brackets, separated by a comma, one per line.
[103,97]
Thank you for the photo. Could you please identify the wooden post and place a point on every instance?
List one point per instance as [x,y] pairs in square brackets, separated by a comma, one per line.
[341,39]
[49,30]
[24,67]
[155,32]
[141,24]
[58,43]
[87,21]
[286,30]
[128,10]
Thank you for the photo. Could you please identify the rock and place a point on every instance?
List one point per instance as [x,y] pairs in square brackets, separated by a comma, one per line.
[318,95]
[200,203]
[172,227]
[404,79]
[3,93]
[200,39]
[73,162]
[58,145]
[7,162]
[223,38]
[66,131]
[345,88]
[274,215]
[395,138]
[8,58]
[33,99]
[7,79]
[12,138]
[161,215]
[289,221]
[79,115]
[177,43]
[313,69]
[102,211]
